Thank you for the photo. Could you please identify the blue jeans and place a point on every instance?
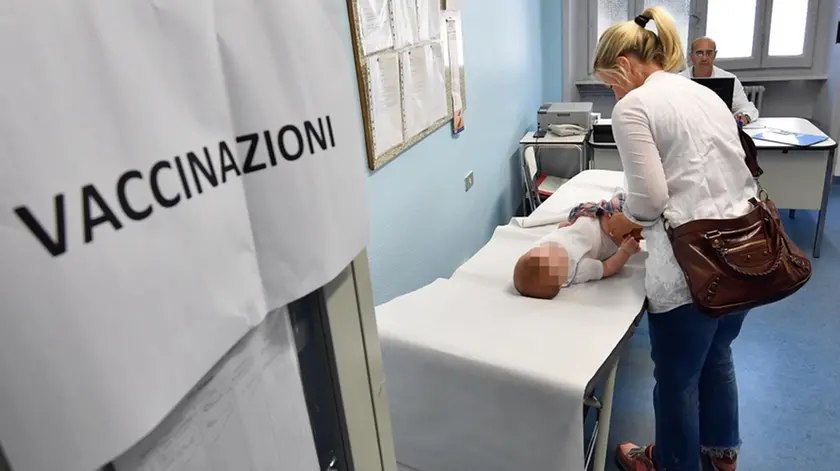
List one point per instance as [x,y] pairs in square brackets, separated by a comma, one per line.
[696,397]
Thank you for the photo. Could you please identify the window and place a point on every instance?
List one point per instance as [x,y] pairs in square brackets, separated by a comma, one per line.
[605,13]
[787,27]
[754,34]
[611,12]
[680,10]
[732,25]
[749,33]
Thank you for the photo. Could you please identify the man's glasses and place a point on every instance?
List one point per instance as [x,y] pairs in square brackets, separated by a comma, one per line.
[705,53]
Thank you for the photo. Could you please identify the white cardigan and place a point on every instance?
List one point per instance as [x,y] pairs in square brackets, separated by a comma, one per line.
[683,159]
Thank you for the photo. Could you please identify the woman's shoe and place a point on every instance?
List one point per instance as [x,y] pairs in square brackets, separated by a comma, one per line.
[631,457]
[723,464]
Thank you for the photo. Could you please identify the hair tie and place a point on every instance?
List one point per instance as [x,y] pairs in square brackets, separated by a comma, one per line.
[641,20]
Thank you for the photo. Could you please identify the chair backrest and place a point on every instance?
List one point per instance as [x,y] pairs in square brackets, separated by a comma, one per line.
[529,156]
[531,162]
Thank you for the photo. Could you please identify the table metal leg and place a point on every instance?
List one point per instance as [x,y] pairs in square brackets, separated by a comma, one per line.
[604,417]
[582,161]
[829,177]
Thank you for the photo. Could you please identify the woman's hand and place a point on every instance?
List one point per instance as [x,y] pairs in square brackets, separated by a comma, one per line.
[742,119]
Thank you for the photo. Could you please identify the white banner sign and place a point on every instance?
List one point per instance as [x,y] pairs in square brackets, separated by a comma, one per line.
[170,172]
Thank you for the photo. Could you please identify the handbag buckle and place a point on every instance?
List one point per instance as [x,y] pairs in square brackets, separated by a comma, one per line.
[713,236]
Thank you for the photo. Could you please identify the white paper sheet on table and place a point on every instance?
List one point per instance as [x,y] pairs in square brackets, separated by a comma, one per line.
[480,377]
[376,33]
[589,185]
[386,101]
[485,379]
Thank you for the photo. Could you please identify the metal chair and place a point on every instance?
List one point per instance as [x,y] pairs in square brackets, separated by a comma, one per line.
[540,185]
[530,170]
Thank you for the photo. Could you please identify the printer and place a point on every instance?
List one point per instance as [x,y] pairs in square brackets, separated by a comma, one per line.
[559,114]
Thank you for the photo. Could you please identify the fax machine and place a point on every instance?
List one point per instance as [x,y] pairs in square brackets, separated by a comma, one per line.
[564,119]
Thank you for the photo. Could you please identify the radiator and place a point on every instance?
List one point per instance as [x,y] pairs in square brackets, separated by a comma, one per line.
[755,94]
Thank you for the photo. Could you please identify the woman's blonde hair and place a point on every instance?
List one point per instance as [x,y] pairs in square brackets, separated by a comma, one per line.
[630,38]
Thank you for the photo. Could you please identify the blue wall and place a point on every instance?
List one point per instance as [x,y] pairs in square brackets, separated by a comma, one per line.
[552,50]
[423,224]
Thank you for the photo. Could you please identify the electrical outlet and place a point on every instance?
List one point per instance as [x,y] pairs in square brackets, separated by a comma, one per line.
[468,181]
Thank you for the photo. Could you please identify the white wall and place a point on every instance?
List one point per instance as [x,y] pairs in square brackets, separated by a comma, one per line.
[574,39]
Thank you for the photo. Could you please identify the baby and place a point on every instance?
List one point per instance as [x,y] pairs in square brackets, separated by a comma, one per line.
[587,248]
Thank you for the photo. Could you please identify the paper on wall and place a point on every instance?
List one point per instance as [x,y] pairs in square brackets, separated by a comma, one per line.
[375,16]
[174,202]
[424,98]
[428,19]
[386,103]
[318,185]
[241,417]
[405,23]
[436,70]
[455,63]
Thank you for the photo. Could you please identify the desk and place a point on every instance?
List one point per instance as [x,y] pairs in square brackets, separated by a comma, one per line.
[569,142]
[794,177]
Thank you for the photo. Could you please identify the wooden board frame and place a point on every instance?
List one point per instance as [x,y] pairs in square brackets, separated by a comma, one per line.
[376,162]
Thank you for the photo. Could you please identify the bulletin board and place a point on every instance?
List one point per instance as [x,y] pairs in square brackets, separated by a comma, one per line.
[406,52]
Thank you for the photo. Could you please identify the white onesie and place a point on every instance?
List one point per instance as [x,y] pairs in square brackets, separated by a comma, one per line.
[587,246]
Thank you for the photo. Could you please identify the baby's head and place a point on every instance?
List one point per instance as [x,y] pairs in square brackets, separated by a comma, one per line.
[541,271]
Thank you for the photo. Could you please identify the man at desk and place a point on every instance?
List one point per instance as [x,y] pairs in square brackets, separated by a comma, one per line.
[703,52]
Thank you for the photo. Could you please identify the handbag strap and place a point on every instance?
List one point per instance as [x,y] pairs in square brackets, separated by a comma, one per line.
[751,159]
[750,153]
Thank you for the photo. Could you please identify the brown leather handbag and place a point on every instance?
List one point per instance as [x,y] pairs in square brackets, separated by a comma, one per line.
[733,265]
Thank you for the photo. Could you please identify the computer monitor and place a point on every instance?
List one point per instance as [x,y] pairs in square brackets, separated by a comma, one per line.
[723,86]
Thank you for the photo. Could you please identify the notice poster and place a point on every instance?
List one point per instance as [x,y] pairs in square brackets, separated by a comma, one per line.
[424,98]
[386,103]
[243,416]
[376,25]
[455,48]
[171,173]
[406,29]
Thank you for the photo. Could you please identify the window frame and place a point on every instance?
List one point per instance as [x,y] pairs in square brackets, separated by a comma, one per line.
[760,59]
[806,59]
[635,7]
[740,63]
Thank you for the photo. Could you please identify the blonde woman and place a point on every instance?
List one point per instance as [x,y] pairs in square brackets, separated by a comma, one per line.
[683,161]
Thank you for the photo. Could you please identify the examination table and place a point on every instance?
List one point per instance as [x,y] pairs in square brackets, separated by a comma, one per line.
[481,378]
